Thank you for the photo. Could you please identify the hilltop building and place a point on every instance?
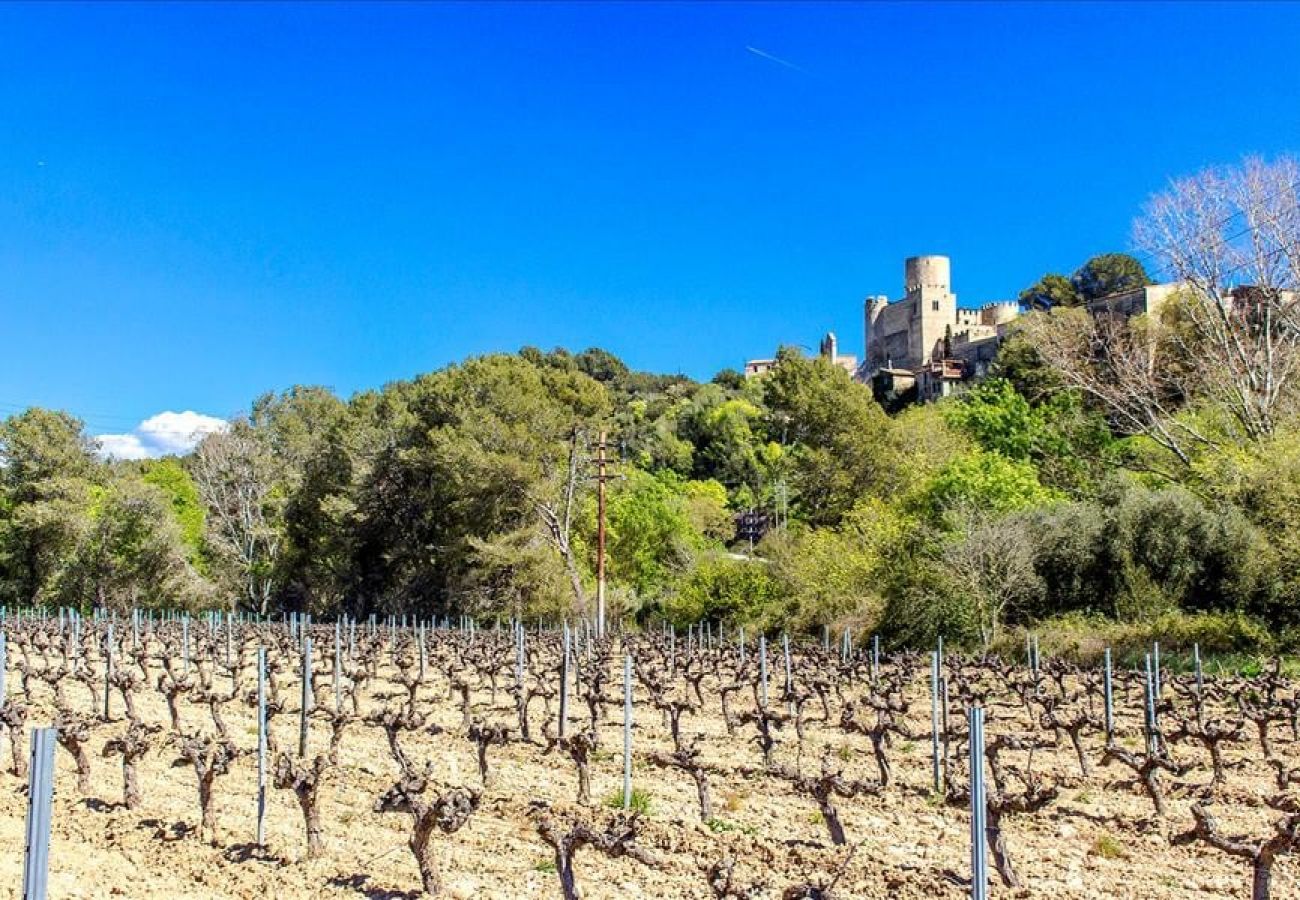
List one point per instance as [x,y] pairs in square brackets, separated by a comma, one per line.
[1136,302]
[828,349]
[924,346]
[925,339]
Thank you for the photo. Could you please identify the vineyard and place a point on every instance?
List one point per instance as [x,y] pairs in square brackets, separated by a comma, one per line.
[223,758]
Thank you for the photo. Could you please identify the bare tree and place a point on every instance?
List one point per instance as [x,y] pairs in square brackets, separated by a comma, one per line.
[73,733]
[132,745]
[1230,236]
[568,831]
[305,781]
[210,758]
[992,565]
[556,511]
[1228,239]
[13,718]
[1117,363]
[234,473]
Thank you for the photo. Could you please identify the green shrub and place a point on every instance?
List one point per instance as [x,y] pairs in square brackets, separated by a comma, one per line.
[1107,847]
[723,589]
[1084,637]
[640,801]
[718,826]
[924,604]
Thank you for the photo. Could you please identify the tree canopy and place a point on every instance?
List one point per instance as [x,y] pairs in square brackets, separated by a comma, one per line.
[1100,276]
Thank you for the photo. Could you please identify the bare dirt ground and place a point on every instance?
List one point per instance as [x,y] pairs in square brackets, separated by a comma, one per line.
[1096,840]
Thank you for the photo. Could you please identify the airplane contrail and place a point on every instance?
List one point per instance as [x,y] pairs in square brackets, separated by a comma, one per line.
[776,59]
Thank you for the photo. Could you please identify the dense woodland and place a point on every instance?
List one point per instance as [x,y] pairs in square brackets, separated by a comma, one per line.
[1112,477]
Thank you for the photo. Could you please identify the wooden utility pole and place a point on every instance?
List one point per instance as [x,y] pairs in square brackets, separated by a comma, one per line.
[600,537]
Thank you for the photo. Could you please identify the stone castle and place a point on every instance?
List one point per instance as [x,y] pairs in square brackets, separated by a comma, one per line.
[924,343]
[923,346]
[926,336]
[926,327]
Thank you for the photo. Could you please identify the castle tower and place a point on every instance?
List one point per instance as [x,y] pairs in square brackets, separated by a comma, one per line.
[830,347]
[928,282]
[872,307]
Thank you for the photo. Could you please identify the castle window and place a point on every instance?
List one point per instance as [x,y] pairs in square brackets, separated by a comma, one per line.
[935,305]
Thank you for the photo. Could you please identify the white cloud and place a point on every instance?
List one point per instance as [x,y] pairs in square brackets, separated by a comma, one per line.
[160,435]
[121,446]
[171,432]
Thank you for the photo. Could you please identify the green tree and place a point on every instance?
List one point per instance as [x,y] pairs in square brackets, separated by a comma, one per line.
[1052,290]
[39,446]
[1074,557]
[651,536]
[648,434]
[730,379]
[1175,552]
[985,481]
[926,442]
[131,552]
[1019,362]
[727,434]
[48,473]
[1001,420]
[1070,446]
[1262,482]
[604,367]
[837,576]
[1100,276]
[482,449]
[706,509]
[1106,274]
[841,446]
[171,477]
[515,574]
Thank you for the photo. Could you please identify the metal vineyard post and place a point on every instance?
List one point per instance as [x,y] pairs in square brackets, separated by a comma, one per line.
[1108,691]
[627,731]
[564,683]
[934,719]
[40,796]
[1152,743]
[979,888]
[108,671]
[306,696]
[338,669]
[261,746]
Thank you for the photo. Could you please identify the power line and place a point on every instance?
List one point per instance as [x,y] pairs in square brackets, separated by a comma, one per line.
[1221,242]
[107,422]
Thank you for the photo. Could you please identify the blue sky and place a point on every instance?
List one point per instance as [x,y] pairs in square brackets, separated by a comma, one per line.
[199,203]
